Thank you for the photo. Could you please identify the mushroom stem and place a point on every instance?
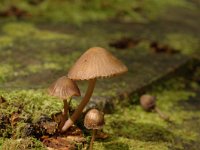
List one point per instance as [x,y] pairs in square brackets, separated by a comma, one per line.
[81,106]
[93,138]
[64,113]
[66,110]
[163,116]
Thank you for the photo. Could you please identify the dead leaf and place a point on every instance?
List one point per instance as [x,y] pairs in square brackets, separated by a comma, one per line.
[161,48]
[125,43]
[101,135]
[58,143]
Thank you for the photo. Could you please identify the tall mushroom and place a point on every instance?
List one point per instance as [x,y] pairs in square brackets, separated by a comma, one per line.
[64,88]
[95,63]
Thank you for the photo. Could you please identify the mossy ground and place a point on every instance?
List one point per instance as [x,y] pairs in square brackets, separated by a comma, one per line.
[33,53]
[80,11]
[132,128]
[129,127]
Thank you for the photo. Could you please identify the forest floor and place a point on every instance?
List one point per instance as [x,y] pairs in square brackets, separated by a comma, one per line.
[160,48]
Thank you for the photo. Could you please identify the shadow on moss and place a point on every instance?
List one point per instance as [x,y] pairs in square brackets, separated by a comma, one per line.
[141,131]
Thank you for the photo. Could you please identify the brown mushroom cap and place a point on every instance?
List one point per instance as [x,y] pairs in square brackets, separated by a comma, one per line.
[64,88]
[96,62]
[147,102]
[94,119]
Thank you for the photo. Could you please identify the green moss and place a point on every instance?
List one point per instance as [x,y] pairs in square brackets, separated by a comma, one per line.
[130,127]
[5,41]
[19,29]
[79,11]
[6,71]
[22,144]
[23,30]
[154,8]
[185,43]
[133,128]
[16,37]
[59,61]
[34,103]
[128,144]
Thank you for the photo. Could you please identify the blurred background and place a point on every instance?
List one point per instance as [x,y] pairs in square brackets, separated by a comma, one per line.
[35,34]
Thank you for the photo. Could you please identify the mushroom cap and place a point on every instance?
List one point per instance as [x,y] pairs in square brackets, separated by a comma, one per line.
[64,88]
[94,119]
[94,63]
[147,102]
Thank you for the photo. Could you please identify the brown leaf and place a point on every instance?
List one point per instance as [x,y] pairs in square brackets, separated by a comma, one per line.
[161,48]
[14,11]
[50,127]
[101,135]
[15,117]
[58,143]
[77,139]
[125,43]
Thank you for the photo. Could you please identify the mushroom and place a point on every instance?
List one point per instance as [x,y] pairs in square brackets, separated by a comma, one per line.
[148,103]
[94,119]
[95,63]
[64,88]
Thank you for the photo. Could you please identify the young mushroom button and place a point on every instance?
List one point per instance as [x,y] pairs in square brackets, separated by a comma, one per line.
[64,88]
[94,119]
[148,103]
[95,63]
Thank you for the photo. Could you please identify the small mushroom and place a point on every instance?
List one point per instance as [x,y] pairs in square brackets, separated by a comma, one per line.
[64,88]
[148,103]
[95,63]
[94,119]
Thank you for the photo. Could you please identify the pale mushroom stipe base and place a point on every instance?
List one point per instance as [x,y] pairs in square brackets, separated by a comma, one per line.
[95,63]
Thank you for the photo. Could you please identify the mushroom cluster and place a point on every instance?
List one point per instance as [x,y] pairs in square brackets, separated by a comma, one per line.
[95,63]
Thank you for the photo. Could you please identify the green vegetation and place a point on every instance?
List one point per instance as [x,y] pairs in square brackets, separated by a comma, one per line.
[22,144]
[80,11]
[185,43]
[16,36]
[133,128]
[6,72]
[129,128]
[34,102]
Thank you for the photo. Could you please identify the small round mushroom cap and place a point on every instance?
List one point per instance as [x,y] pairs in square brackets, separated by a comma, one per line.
[94,119]
[96,62]
[147,102]
[64,88]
